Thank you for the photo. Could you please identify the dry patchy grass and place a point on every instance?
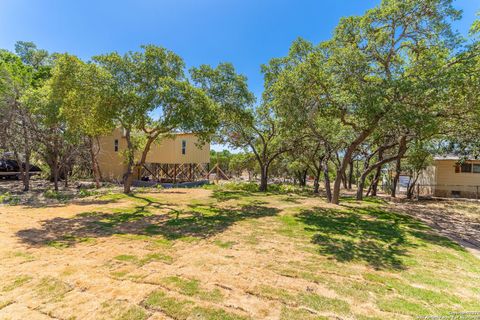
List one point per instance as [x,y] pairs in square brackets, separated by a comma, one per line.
[231,254]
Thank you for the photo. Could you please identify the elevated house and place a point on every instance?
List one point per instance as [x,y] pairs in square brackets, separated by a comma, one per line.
[174,159]
[450,176]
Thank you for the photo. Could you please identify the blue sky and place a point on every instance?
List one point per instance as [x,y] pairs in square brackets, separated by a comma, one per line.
[244,32]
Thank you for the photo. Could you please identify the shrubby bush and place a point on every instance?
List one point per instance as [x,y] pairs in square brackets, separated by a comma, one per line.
[8,198]
[52,194]
[253,187]
[290,188]
[241,186]
[86,193]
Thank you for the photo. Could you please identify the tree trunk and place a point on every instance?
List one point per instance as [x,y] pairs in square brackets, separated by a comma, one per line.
[27,149]
[361,185]
[375,181]
[396,177]
[263,178]
[412,184]
[410,191]
[336,187]
[128,176]
[303,178]
[24,171]
[344,181]
[316,185]
[374,185]
[26,176]
[316,181]
[96,171]
[346,160]
[369,189]
[66,177]
[56,169]
[398,166]
[366,172]
[350,175]
[128,180]
[326,178]
[55,176]
[363,177]
[298,177]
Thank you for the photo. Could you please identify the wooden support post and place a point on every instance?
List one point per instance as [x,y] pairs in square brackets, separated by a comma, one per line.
[175,173]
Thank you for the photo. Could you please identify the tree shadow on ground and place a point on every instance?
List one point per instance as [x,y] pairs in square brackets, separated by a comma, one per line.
[462,226]
[37,199]
[174,224]
[368,200]
[377,237]
[225,195]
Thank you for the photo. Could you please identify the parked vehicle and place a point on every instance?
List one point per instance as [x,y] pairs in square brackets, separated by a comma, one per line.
[10,169]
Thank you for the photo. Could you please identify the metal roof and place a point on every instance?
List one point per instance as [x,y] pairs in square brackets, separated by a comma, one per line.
[453,157]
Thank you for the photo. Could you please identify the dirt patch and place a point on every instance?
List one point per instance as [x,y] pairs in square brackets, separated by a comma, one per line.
[209,254]
[457,220]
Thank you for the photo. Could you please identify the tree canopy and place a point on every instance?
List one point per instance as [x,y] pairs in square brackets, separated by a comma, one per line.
[388,91]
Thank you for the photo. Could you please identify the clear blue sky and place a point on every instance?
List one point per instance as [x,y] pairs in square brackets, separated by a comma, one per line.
[244,32]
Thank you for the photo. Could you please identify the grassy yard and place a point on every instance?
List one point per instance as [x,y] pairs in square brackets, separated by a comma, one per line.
[218,253]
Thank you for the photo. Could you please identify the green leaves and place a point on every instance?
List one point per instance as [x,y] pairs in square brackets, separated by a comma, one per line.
[87,99]
[152,97]
[151,92]
[31,55]
[15,77]
[229,92]
[381,72]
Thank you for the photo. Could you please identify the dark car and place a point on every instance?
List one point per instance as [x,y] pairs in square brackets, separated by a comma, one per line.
[9,169]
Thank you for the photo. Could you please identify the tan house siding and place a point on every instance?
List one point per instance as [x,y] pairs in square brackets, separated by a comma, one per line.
[110,162]
[166,151]
[448,181]
[169,150]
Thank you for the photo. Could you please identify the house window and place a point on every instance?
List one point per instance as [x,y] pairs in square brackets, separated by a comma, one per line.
[476,168]
[184,146]
[116,145]
[466,167]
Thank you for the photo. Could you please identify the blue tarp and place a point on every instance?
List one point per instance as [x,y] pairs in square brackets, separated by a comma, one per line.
[139,183]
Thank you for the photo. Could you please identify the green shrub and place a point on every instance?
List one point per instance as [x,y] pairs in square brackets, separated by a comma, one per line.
[241,186]
[8,198]
[274,187]
[210,186]
[142,190]
[253,187]
[289,188]
[82,193]
[52,194]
